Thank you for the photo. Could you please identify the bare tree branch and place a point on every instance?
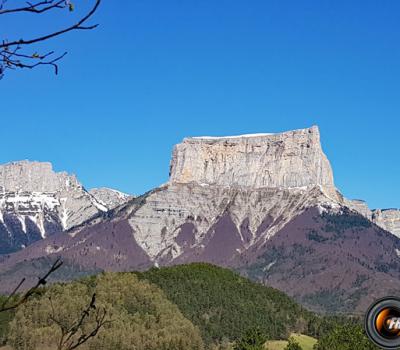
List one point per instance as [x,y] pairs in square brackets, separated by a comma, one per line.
[11,56]
[30,292]
[14,60]
[76,26]
[73,336]
[39,7]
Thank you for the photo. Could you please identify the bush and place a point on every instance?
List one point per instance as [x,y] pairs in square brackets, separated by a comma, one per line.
[253,339]
[345,337]
[293,345]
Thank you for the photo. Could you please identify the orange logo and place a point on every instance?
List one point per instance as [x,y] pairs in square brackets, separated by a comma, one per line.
[382,323]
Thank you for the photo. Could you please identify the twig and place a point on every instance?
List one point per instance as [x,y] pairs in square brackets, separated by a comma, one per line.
[11,56]
[30,292]
[34,8]
[67,341]
[77,26]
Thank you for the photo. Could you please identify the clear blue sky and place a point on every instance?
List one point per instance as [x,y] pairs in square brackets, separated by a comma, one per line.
[157,71]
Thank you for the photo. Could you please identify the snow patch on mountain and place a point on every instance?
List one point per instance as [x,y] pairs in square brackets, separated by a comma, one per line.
[108,198]
[51,202]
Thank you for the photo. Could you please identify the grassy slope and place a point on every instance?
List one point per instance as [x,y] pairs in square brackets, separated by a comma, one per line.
[306,342]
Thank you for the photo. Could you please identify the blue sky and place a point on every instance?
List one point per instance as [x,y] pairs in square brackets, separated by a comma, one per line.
[157,71]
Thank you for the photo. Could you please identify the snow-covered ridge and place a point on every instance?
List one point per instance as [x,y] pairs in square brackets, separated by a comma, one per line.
[36,202]
[312,129]
[109,198]
[232,137]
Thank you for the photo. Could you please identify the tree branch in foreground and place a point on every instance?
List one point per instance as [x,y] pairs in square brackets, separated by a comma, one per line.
[73,336]
[38,7]
[6,306]
[11,54]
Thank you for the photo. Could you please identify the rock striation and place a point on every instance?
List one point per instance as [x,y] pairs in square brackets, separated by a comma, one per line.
[388,219]
[27,176]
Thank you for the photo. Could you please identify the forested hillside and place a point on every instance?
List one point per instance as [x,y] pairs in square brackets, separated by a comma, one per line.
[225,305]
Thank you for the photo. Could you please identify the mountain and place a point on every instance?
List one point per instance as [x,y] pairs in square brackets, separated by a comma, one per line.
[36,202]
[263,204]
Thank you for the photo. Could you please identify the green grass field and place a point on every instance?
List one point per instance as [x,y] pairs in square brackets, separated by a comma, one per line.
[305,342]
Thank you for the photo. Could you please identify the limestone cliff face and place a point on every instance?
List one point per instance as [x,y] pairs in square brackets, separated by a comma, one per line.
[27,176]
[359,206]
[389,219]
[285,160]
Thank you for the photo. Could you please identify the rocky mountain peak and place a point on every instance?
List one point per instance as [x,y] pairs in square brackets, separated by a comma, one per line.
[283,160]
[36,201]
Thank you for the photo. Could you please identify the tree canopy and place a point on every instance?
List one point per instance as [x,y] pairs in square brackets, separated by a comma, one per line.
[224,304]
[253,339]
[138,314]
[345,337]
